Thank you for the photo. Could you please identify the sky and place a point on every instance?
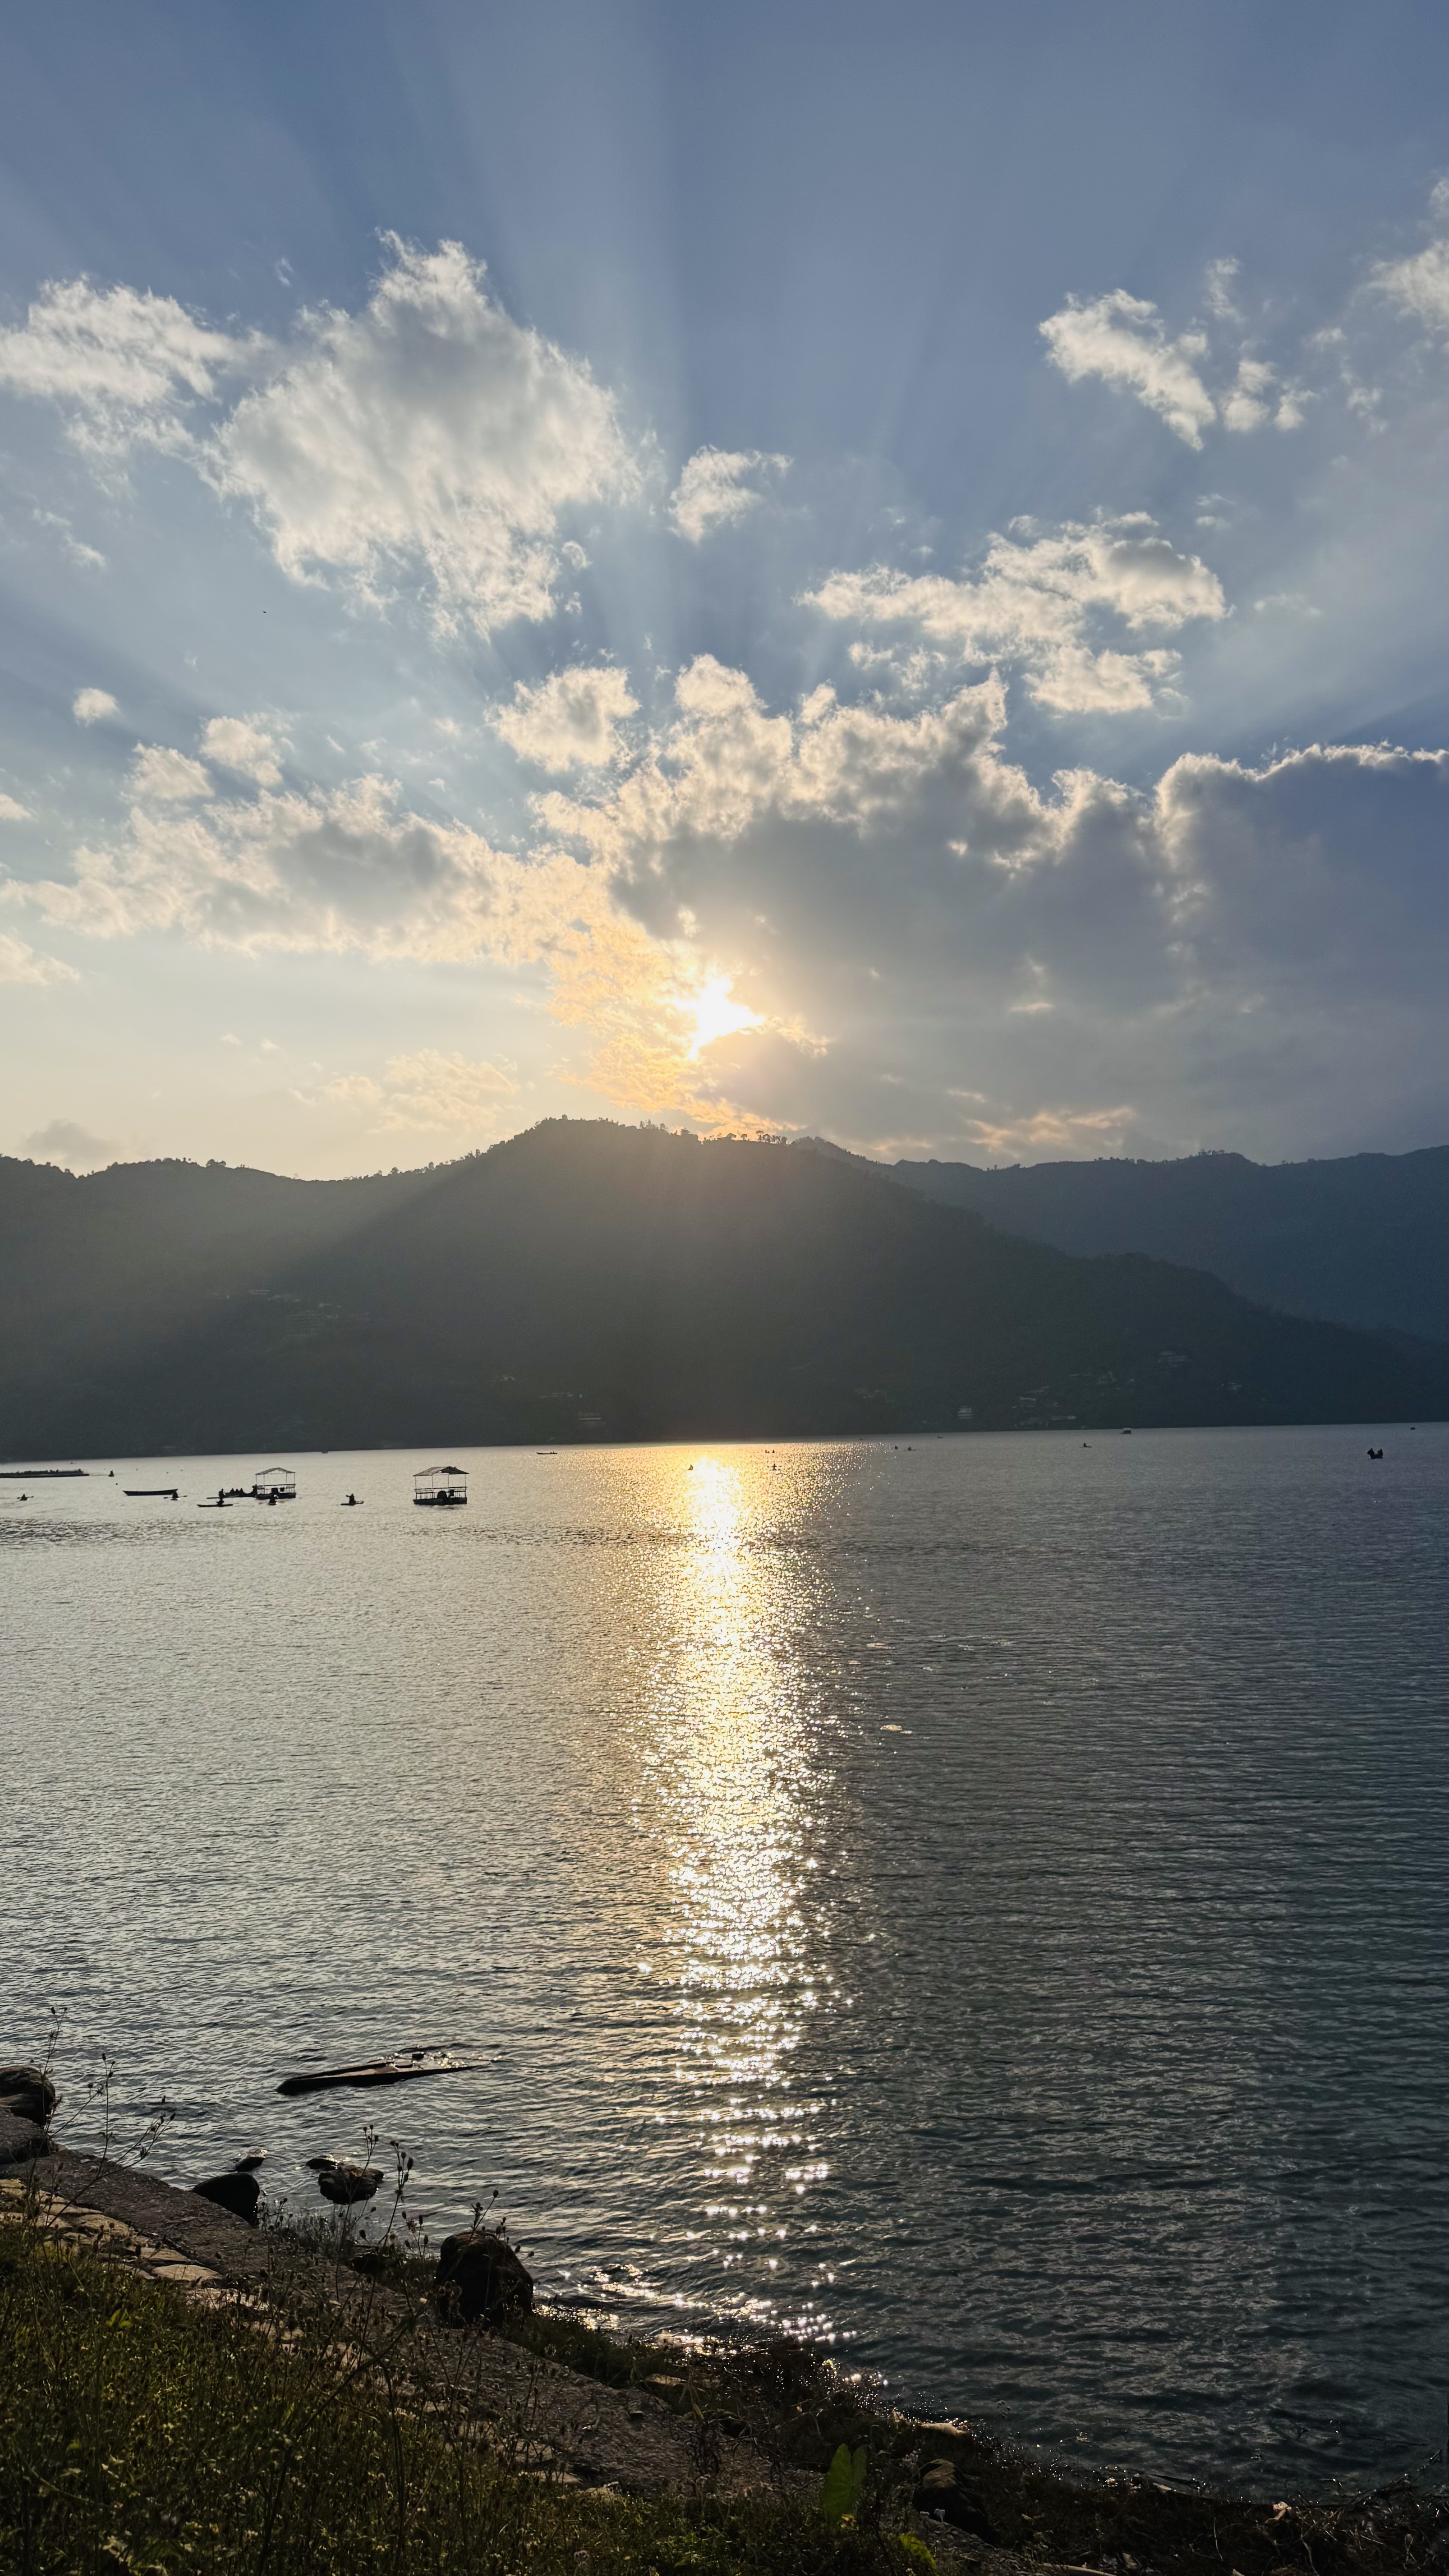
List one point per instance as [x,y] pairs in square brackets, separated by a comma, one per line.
[807,568]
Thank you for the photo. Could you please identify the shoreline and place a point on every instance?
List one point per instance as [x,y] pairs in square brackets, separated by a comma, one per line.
[615,2419]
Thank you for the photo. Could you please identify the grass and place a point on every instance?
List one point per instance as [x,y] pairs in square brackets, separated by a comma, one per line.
[141,2432]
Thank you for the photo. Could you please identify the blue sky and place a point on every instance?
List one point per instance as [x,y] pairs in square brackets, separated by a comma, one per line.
[815,567]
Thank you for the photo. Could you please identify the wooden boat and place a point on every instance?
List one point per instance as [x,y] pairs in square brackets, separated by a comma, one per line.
[383,2070]
[151,1493]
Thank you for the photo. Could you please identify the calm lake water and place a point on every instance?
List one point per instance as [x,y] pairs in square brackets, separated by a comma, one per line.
[983,1899]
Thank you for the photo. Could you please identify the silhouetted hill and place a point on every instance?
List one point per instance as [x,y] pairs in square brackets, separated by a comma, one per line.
[586,1280]
[1362,1240]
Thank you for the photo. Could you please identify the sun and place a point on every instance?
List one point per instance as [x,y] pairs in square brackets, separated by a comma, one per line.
[715,1015]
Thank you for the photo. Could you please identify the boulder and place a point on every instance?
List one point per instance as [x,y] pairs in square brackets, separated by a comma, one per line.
[940,2491]
[484,2275]
[238,2192]
[28,2093]
[21,2140]
[344,2184]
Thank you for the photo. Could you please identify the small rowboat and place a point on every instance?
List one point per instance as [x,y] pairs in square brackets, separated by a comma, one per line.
[151,1493]
[384,2070]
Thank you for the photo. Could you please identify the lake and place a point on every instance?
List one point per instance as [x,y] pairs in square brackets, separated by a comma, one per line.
[981,1899]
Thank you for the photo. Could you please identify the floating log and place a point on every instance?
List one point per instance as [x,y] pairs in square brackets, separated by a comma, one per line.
[385,2070]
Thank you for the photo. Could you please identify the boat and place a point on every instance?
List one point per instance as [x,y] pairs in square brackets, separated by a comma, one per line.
[378,2070]
[441,1488]
[275,1485]
[152,1493]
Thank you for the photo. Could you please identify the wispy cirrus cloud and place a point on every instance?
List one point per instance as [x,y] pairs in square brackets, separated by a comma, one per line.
[1418,284]
[21,964]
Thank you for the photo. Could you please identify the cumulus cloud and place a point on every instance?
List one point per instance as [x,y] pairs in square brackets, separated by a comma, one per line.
[897,886]
[427,437]
[160,775]
[89,706]
[1419,284]
[63,1141]
[571,720]
[718,487]
[20,964]
[341,869]
[429,431]
[1040,601]
[1123,340]
[429,1091]
[12,811]
[853,917]
[240,743]
[125,368]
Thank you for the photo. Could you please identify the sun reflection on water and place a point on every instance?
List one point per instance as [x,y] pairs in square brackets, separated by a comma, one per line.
[739,1784]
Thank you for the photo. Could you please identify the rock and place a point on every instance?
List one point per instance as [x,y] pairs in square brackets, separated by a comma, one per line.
[249,2162]
[238,2192]
[940,2492]
[20,2140]
[343,2183]
[28,2092]
[484,2274]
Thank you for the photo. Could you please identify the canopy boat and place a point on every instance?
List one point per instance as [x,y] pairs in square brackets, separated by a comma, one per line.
[443,1488]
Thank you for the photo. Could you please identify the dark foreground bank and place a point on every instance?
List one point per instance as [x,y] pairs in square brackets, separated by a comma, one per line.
[178,2390]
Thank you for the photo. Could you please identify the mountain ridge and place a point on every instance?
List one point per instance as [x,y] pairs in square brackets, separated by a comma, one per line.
[586,1280]
[1359,1239]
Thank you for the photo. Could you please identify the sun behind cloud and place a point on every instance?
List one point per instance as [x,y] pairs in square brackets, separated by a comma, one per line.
[717,1015]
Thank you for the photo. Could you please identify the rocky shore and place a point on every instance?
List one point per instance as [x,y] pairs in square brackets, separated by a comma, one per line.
[549,2398]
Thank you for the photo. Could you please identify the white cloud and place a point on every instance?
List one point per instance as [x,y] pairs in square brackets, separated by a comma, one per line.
[1122,340]
[571,720]
[345,869]
[12,811]
[1040,602]
[126,367]
[247,747]
[88,706]
[1419,284]
[20,964]
[715,489]
[428,432]
[1222,276]
[160,775]
[430,1091]
[427,436]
